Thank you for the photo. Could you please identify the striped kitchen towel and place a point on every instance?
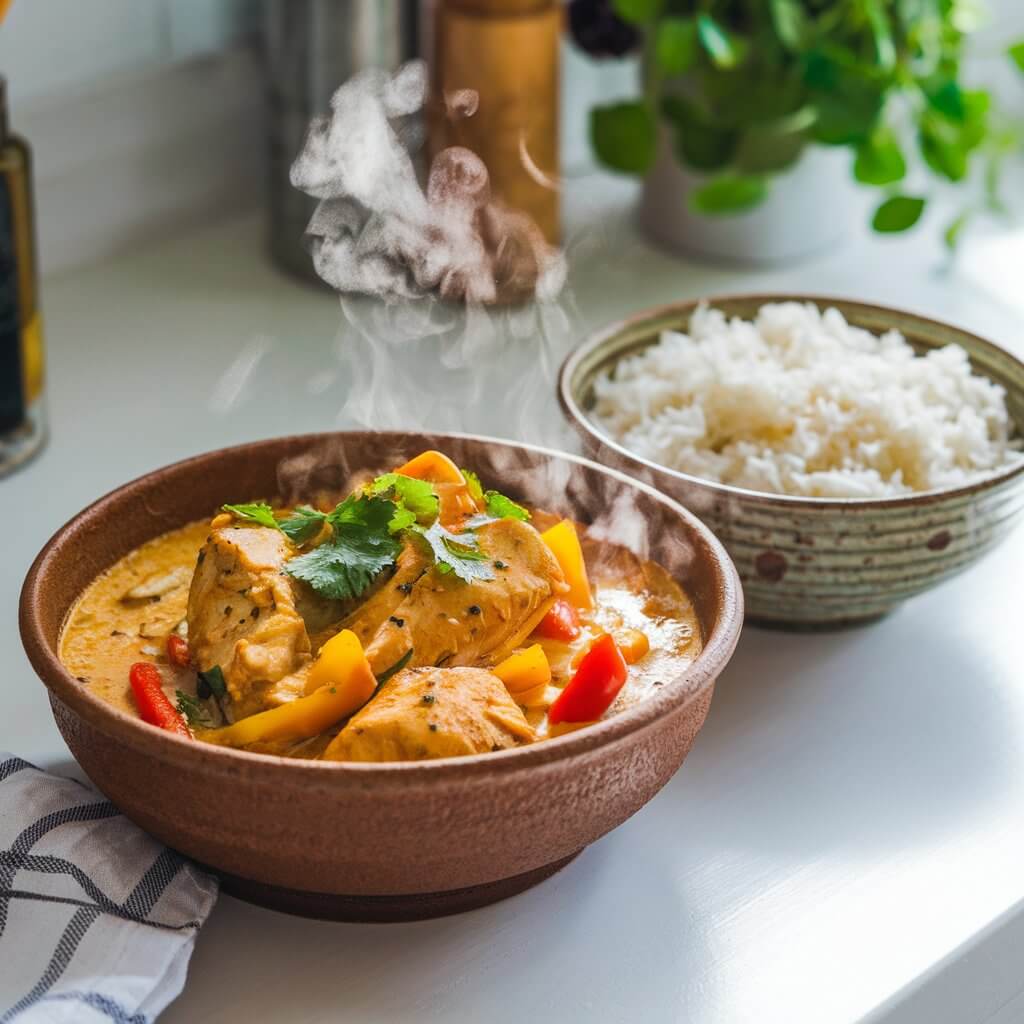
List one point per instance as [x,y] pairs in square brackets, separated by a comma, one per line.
[97,920]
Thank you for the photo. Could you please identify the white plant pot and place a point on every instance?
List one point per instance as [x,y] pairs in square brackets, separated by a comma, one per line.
[810,208]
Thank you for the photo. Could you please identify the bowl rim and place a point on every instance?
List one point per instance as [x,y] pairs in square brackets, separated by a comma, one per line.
[164,746]
[573,412]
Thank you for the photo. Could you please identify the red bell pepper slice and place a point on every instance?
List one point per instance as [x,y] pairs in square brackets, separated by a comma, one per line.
[178,652]
[560,623]
[589,694]
[154,707]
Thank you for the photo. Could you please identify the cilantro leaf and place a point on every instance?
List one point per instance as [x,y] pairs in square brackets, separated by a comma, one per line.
[212,680]
[362,547]
[411,496]
[254,512]
[303,524]
[456,553]
[501,507]
[194,712]
[473,485]
[498,506]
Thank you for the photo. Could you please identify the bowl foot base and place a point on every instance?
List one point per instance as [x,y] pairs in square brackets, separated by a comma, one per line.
[384,909]
[814,626]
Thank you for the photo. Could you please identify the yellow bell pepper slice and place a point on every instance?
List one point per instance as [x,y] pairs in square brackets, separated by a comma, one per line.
[433,466]
[564,543]
[341,662]
[526,675]
[342,682]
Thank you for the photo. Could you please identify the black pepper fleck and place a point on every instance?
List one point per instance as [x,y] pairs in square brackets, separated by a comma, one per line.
[227,610]
[117,632]
[82,679]
[500,565]
[255,613]
[433,726]
[397,621]
[405,588]
[241,622]
[474,609]
[428,698]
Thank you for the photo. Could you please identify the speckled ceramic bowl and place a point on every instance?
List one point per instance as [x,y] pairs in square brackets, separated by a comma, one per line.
[379,841]
[818,562]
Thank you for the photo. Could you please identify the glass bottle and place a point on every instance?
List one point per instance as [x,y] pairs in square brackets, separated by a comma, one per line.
[22,418]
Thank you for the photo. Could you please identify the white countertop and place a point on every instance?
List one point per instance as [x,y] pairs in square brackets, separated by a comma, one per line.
[845,842]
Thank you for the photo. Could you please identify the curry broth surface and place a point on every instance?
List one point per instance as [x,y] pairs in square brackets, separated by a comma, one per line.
[105,634]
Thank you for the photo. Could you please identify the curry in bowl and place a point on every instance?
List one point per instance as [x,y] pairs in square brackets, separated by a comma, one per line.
[419,617]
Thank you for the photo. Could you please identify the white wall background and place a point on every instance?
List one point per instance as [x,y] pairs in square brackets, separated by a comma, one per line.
[53,47]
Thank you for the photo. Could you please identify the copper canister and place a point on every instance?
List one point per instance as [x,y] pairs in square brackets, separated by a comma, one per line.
[507,52]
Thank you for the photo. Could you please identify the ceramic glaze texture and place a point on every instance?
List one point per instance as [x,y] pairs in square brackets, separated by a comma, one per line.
[820,562]
[379,841]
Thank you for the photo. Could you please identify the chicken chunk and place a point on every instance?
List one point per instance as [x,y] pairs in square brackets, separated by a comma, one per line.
[447,621]
[392,591]
[426,713]
[242,613]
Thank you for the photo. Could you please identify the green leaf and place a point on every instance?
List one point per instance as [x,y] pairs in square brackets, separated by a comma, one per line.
[361,547]
[773,146]
[412,496]
[845,120]
[637,12]
[303,524]
[254,512]
[624,136]
[341,569]
[729,194]
[456,553]
[698,143]
[977,105]
[500,507]
[848,99]
[1016,53]
[675,45]
[723,49]
[898,214]
[943,151]
[947,98]
[790,23]
[213,680]
[880,160]
[881,31]
[951,236]
[192,709]
[473,485]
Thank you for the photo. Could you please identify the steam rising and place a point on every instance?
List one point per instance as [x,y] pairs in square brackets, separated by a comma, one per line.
[395,249]
[377,232]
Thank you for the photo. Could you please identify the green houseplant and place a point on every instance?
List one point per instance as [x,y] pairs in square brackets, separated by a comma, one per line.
[740,90]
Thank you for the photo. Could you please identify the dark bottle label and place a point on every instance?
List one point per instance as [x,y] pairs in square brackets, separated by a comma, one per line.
[12,396]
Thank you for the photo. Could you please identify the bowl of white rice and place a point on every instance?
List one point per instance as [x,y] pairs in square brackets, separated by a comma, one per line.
[849,456]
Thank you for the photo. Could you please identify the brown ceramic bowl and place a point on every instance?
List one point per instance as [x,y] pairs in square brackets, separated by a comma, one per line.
[379,841]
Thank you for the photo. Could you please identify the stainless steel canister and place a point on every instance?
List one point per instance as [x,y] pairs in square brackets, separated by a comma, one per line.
[311,47]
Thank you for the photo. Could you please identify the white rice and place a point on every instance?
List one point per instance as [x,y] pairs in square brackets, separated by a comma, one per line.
[799,402]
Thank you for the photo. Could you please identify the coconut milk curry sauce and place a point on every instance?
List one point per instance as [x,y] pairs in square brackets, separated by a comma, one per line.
[420,617]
